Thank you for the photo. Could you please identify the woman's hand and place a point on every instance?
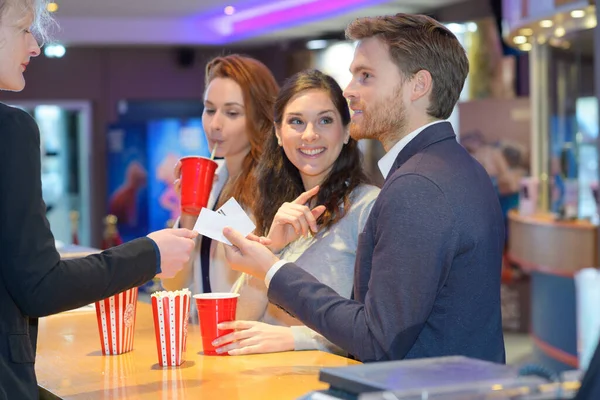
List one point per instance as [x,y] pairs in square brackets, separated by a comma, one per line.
[293,220]
[177,181]
[186,220]
[252,337]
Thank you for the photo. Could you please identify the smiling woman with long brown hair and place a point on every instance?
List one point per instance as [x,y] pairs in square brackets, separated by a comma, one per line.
[314,200]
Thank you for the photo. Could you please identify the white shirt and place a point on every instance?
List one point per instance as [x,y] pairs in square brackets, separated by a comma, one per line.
[387,162]
[385,165]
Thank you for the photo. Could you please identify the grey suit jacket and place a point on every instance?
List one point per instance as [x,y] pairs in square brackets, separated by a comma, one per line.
[427,273]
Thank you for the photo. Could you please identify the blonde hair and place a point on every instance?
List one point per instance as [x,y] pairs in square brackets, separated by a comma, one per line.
[43,22]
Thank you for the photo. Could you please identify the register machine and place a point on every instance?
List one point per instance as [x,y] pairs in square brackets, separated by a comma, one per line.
[454,378]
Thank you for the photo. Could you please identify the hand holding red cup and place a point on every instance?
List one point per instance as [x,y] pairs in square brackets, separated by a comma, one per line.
[214,308]
[195,182]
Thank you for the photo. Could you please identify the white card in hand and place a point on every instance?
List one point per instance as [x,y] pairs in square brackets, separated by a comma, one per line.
[238,217]
[211,223]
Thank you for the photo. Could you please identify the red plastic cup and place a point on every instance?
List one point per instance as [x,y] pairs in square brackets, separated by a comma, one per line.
[214,308]
[197,175]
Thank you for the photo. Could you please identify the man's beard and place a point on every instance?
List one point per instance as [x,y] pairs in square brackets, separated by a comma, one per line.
[381,121]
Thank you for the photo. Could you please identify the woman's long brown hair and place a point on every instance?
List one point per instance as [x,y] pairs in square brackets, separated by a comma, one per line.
[259,89]
[279,180]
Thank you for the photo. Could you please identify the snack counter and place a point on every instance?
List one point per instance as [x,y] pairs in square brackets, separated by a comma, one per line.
[70,365]
[552,252]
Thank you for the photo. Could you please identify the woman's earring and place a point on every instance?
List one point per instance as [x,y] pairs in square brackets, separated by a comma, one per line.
[279,142]
[347,140]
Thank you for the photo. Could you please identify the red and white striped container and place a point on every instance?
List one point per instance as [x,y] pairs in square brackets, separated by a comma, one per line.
[116,322]
[171,311]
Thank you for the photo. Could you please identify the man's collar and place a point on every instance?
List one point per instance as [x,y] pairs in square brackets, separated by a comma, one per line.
[387,162]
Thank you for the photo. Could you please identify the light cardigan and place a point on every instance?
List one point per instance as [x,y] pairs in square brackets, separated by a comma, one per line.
[329,257]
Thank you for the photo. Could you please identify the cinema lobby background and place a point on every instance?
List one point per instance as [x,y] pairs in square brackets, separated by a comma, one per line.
[118,93]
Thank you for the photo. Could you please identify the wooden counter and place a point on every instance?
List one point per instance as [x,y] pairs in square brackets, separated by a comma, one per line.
[552,252]
[559,247]
[70,365]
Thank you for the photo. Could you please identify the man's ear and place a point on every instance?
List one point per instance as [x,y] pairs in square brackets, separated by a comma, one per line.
[422,85]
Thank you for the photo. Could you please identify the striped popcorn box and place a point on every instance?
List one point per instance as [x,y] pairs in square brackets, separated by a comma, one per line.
[116,322]
[171,311]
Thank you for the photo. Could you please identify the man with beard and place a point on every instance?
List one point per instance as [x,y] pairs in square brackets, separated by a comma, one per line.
[427,273]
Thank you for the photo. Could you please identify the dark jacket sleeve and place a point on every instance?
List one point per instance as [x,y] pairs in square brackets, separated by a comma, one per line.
[408,243]
[39,282]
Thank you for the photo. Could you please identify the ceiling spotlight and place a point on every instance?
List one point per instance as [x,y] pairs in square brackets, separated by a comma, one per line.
[526,31]
[525,46]
[54,51]
[229,10]
[456,28]
[578,13]
[519,39]
[546,23]
[590,22]
[52,7]
[316,44]
[559,32]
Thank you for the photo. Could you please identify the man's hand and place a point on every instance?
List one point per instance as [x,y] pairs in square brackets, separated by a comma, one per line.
[248,255]
[175,247]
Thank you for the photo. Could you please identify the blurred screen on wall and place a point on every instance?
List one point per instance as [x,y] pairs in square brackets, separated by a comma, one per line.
[168,141]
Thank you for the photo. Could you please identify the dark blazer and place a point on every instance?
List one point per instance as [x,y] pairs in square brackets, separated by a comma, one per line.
[34,282]
[427,274]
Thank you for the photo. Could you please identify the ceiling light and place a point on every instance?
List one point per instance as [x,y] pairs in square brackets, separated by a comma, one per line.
[316,44]
[526,31]
[590,22]
[472,27]
[578,13]
[52,7]
[229,10]
[525,46]
[456,28]
[559,32]
[54,51]
[519,39]
[546,23]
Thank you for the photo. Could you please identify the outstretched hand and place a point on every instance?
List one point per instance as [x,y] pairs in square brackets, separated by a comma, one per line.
[248,255]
